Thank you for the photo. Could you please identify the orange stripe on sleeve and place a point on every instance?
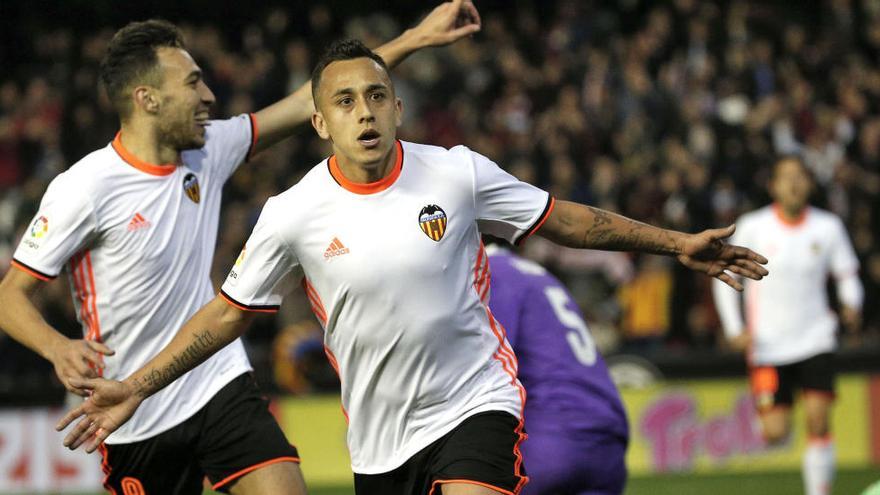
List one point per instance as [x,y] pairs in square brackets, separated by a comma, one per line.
[255,134]
[236,304]
[551,203]
[30,271]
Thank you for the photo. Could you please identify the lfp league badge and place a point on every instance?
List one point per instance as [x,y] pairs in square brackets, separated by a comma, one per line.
[433,220]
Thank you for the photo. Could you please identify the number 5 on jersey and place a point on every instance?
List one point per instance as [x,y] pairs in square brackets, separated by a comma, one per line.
[578,336]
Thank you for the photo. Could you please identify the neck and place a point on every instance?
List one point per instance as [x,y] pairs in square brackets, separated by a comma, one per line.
[365,173]
[791,213]
[142,142]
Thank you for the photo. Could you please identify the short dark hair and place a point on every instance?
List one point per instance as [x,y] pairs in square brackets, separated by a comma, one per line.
[131,58]
[346,49]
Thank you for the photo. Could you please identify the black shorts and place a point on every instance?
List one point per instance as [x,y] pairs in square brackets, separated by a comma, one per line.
[775,386]
[483,450]
[232,435]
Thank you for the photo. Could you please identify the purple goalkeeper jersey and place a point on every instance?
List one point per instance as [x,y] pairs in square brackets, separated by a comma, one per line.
[567,383]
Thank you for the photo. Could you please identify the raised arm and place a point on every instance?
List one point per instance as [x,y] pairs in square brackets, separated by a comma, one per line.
[447,23]
[112,403]
[20,319]
[579,226]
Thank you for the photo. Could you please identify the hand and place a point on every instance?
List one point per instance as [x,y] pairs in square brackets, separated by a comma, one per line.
[109,406]
[447,23]
[78,359]
[851,319]
[741,342]
[705,252]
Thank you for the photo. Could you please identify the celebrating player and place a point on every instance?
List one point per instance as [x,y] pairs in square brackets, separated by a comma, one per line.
[385,237]
[577,426]
[789,327]
[135,223]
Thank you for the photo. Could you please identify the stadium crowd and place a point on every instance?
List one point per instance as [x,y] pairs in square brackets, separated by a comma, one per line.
[668,112]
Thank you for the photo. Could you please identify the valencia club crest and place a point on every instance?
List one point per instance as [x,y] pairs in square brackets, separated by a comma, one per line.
[432,220]
[191,186]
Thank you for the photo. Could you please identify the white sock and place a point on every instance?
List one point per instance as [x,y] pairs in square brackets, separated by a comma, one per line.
[818,466]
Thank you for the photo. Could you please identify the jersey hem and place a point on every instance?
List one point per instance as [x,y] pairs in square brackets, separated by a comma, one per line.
[420,443]
[793,359]
[183,417]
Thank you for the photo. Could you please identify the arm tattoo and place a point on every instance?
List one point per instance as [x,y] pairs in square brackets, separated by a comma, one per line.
[157,378]
[617,233]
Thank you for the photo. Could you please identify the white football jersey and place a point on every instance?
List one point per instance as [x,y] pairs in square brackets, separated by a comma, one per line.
[787,312]
[395,271]
[137,240]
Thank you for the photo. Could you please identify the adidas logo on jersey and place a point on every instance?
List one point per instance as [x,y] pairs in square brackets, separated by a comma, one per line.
[335,249]
[138,222]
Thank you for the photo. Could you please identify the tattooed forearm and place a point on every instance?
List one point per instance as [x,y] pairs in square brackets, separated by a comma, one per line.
[587,227]
[156,378]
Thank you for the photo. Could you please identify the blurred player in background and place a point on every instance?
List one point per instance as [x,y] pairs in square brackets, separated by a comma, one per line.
[135,223]
[789,328]
[575,420]
[385,237]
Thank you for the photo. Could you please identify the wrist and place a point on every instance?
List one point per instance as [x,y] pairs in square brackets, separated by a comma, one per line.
[53,350]
[136,390]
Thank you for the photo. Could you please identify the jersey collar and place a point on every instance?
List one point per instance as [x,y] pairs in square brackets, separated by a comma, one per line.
[371,187]
[797,222]
[129,158]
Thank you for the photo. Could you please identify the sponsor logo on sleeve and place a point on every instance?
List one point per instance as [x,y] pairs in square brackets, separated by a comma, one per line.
[433,220]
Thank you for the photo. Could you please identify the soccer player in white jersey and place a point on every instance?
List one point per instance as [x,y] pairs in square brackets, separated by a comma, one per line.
[135,224]
[789,329]
[385,238]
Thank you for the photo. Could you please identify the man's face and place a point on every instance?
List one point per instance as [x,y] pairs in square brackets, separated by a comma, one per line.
[358,111]
[184,101]
[791,185]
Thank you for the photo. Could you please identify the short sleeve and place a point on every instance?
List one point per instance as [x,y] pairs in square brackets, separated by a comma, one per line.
[257,280]
[505,206]
[64,224]
[231,142]
[844,261]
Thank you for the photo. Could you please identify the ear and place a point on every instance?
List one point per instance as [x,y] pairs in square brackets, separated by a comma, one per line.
[146,98]
[320,125]
[399,111]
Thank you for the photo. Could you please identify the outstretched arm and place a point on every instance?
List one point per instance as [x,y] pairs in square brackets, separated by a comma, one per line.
[447,23]
[112,403]
[579,226]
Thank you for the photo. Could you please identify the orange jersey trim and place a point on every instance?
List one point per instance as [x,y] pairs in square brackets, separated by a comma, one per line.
[551,203]
[245,471]
[129,158]
[30,271]
[797,222]
[471,482]
[371,187]
[255,134]
[244,307]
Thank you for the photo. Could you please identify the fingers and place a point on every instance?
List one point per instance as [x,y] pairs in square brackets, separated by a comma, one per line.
[85,383]
[69,418]
[719,234]
[100,347]
[731,281]
[97,439]
[463,31]
[82,432]
[753,267]
[472,12]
